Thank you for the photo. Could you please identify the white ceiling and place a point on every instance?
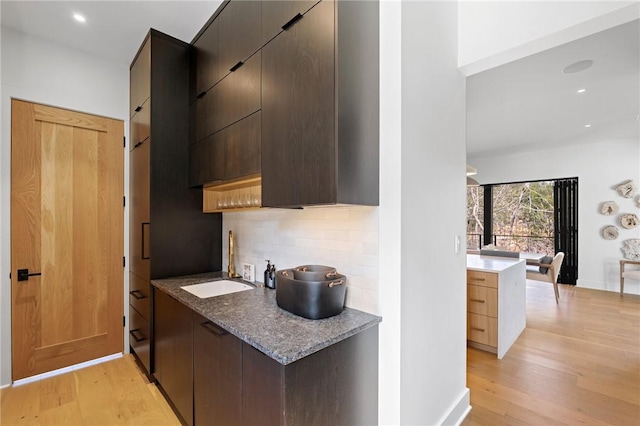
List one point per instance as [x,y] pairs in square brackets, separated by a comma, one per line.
[522,105]
[530,104]
[113,29]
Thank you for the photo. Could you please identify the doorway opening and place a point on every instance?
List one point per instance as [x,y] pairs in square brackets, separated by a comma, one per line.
[534,216]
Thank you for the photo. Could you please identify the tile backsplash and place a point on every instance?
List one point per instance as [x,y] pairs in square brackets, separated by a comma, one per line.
[343,237]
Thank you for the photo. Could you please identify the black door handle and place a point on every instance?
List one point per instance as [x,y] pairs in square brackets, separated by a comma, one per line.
[23,274]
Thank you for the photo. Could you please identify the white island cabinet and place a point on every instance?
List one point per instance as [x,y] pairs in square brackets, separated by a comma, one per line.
[496,302]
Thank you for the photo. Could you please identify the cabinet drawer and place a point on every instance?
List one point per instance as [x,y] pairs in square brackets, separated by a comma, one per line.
[235,97]
[140,337]
[140,295]
[485,279]
[482,329]
[140,124]
[482,300]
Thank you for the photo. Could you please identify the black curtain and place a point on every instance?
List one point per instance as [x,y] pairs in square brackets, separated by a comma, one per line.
[565,199]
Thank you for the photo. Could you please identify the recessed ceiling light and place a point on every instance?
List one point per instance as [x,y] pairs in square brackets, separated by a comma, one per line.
[581,90]
[587,125]
[79,17]
[577,67]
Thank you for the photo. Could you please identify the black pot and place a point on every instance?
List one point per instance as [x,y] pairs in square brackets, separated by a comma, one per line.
[310,299]
[314,273]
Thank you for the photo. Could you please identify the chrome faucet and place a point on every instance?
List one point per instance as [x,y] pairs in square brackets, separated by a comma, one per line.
[231,270]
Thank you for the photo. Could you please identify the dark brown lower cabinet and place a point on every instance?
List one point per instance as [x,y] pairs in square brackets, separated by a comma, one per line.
[140,337]
[335,386]
[213,378]
[217,381]
[173,340]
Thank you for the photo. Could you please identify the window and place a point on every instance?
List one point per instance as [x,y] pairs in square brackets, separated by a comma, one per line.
[539,216]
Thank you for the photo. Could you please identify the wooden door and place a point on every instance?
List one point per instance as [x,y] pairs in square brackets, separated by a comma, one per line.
[66,227]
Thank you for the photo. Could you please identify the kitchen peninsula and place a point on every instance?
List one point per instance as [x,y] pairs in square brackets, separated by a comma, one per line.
[240,359]
[496,302]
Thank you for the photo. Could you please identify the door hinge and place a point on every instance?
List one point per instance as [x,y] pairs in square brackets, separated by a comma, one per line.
[124,141]
[124,201]
[124,261]
[124,321]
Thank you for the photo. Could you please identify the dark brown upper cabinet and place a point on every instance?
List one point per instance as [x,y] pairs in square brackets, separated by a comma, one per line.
[277,15]
[205,53]
[320,119]
[239,37]
[140,80]
[228,154]
[232,99]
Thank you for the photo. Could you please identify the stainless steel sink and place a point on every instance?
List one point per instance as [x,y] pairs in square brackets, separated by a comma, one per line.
[216,288]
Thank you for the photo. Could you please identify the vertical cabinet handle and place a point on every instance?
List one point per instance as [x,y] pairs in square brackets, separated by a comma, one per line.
[145,255]
[292,21]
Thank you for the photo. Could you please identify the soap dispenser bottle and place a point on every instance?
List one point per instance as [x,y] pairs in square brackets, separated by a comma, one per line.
[273,276]
[269,277]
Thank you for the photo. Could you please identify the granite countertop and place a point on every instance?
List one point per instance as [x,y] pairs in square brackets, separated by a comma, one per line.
[254,317]
[490,263]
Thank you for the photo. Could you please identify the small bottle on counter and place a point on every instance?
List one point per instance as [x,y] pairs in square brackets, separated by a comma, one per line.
[273,276]
[270,275]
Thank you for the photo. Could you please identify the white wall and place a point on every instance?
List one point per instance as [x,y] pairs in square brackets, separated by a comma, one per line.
[493,33]
[390,269]
[600,167]
[346,238]
[433,312]
[39,71]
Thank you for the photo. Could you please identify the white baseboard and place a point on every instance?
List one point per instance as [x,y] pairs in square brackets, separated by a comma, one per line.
[459,411]
[65,369]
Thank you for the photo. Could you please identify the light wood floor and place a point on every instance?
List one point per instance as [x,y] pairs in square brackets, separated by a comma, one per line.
[575,363]
[111,393]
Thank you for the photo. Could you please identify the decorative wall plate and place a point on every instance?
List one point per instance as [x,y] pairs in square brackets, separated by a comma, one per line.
[609,208]
[610,232]
[631,249]
[629,221]
[627,189]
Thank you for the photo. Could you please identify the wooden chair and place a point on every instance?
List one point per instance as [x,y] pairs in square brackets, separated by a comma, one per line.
[551,276]
[634,275]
